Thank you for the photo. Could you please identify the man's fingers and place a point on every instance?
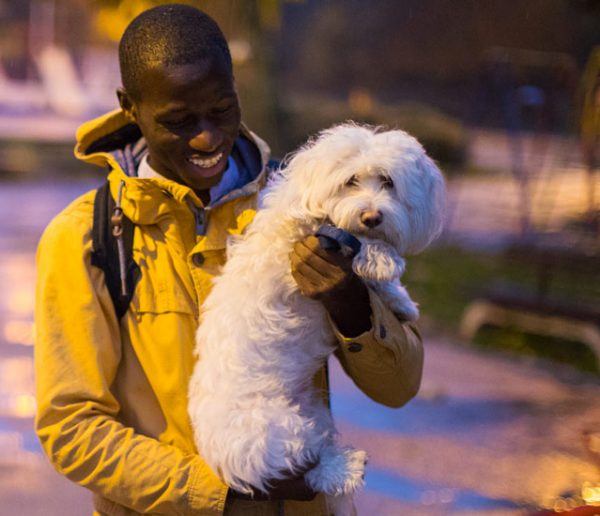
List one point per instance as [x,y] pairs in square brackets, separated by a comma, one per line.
[321,259]
[309,281]
[312,281]
[307,271]
[318,272]
[313,244]
[312,257]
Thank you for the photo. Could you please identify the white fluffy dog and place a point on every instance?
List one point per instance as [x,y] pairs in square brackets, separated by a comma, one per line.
[252,405]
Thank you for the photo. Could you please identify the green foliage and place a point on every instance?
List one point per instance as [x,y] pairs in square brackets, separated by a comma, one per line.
[513,340]
[444,279]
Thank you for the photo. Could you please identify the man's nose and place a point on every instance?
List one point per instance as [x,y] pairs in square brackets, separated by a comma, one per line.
[208,138]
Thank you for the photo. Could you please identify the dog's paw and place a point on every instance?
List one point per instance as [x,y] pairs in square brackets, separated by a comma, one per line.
[397,299]
[378,261]
[340,471]
[406,311]
[407,317]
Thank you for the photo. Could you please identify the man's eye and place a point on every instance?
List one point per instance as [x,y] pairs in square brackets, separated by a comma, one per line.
[353,181]
[178,123]
[219,110]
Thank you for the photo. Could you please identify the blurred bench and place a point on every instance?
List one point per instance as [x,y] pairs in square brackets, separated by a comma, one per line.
[537,309]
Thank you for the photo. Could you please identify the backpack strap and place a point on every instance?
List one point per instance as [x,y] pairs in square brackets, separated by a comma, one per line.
[112,246]
[112,243]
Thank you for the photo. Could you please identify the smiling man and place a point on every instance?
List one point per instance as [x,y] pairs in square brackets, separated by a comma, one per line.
[112,388]
[178,88]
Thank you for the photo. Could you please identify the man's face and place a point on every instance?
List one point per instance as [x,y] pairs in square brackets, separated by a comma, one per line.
[190,117]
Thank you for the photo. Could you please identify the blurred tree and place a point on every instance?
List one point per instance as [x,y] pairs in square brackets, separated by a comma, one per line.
[587,35]
[114,15]
[590,128]
[425,50]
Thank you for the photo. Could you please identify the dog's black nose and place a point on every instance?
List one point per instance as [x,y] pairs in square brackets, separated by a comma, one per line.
[371,218]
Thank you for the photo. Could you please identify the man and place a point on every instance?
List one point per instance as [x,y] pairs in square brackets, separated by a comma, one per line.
[112,392]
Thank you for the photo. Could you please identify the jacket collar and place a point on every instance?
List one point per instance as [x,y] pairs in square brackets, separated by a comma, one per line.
[114,142]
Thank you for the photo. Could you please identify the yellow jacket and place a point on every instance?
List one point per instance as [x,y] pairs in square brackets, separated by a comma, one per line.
[112,394]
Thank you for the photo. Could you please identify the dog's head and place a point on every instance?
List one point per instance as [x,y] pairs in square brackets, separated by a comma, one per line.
[378,184]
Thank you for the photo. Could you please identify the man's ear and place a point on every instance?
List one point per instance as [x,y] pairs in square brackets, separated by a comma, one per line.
[126,104]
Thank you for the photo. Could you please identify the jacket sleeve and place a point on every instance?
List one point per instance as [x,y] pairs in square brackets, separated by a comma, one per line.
[77,352]
[386,362]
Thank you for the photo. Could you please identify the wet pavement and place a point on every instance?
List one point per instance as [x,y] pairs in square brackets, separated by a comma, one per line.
[487,435]
[28,484]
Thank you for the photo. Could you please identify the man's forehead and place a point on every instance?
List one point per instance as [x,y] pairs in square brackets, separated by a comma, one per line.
[178,78]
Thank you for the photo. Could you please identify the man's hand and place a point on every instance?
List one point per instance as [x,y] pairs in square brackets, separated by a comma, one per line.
[293,488]
[327,275]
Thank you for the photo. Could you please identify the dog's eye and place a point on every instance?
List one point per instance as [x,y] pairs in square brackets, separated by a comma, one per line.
[386,182]
[353,181]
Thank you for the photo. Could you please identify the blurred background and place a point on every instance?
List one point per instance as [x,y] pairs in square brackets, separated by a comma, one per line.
[505,95]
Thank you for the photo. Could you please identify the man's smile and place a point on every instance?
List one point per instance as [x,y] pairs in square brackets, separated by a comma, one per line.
[202,162]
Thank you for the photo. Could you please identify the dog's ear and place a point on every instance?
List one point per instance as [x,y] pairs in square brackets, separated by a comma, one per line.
[314,170]
[305,173]
[428,199]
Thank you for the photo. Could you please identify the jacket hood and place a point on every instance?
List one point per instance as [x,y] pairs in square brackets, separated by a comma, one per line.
[104,140]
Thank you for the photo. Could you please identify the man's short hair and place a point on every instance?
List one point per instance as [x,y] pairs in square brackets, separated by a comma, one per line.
[173,34]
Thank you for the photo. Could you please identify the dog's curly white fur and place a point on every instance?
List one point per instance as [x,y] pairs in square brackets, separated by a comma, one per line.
[252,405]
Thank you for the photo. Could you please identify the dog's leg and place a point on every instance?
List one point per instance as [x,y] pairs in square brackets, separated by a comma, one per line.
[378,261]
[396,298]
[380,265]
[252,446]
[340,470]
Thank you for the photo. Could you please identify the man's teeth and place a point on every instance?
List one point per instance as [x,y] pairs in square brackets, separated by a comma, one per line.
[206,163]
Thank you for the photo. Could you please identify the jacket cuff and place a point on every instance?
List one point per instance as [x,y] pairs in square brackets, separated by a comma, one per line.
[203,498]
[375,344]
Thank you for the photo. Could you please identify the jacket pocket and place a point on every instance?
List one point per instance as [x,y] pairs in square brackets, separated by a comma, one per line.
[158,299]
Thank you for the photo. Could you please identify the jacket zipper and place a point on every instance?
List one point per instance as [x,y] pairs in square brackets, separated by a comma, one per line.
[200,216]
